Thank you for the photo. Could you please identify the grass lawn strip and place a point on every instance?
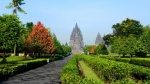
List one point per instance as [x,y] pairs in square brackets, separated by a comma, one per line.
[89,73]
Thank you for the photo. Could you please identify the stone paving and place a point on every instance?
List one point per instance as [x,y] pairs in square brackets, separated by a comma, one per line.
[47,74]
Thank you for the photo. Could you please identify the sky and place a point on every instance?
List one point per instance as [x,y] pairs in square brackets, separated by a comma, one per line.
[92,16]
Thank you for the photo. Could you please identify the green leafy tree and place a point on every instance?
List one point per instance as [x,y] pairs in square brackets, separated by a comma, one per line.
[119,46]
[127,27]
[108,39]
[15,4]
[143,43]
[58,47]
[11,30]
[101,49]
[26,31]
[130,45]
[87,48]
[66,49]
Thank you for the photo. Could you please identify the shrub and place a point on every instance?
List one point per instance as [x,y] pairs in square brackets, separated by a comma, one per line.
[12,69]
[108,69]
[70,74]
[140,62]
[113,71]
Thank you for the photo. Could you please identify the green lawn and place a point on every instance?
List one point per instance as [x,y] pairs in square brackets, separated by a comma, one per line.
[89,73]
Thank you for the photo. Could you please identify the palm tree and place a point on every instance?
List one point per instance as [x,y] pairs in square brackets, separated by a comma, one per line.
[15,4]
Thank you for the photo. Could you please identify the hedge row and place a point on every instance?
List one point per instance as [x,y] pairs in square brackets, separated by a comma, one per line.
[141,62]
[70,74]
[136,61]
[21,66]
[113,71]
[108,70]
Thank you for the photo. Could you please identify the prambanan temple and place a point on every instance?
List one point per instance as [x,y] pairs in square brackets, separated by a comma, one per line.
[99,39]
[76,40]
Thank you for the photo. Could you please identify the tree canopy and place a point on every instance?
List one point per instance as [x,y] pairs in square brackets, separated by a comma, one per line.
[40,40]
[11,30]
[127,27]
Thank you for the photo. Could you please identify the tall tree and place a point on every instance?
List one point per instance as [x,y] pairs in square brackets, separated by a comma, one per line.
[66,49]
[11,30]
[58,47]
[119,46]
[15,4]
[39,40]
[108,39]
[101,49]
[127,27]
[143,44]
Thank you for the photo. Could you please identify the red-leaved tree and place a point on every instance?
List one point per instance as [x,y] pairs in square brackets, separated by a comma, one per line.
[92,51]
[39,40]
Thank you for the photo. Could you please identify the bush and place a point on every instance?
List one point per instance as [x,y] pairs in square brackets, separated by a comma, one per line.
[70,74]
[135,61]
[113,71]
[140,72]
[12,69]
[108,69]
[140,62]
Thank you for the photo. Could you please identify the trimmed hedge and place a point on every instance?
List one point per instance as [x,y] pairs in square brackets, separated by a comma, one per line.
[135,61]
[109,70]
[113,71]
[141,62]
[70,74]
[21,66]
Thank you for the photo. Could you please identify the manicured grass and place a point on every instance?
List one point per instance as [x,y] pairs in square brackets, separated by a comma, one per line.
[89,73]
[14,58]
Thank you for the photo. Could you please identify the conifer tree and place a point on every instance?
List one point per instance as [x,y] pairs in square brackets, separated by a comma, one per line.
[39,40]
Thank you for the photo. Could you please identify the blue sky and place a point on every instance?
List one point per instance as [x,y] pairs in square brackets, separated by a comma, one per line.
[92,16]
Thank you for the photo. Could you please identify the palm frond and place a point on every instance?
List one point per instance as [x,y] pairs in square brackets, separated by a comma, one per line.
[21,10]
[10,6]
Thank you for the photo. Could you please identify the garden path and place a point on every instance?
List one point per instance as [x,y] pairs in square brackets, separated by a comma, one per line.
[47,74]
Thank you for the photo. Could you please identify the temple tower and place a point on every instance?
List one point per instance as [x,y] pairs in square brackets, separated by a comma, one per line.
[99,39]
[76,40]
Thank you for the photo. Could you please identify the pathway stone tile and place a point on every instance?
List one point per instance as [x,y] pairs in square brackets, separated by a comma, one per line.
[47,74]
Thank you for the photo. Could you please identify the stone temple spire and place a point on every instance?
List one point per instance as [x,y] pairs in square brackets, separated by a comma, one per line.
[54,35]
[99,40]
[76,40]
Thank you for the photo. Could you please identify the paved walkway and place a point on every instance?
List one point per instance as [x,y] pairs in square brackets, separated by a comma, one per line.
[47,74]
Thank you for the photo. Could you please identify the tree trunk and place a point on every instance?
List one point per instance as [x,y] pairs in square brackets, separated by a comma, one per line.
[4,58]
[15,50]
[124,54]
[15,11]
[131,55]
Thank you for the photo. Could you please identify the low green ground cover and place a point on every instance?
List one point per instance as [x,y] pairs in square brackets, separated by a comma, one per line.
[89,73]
